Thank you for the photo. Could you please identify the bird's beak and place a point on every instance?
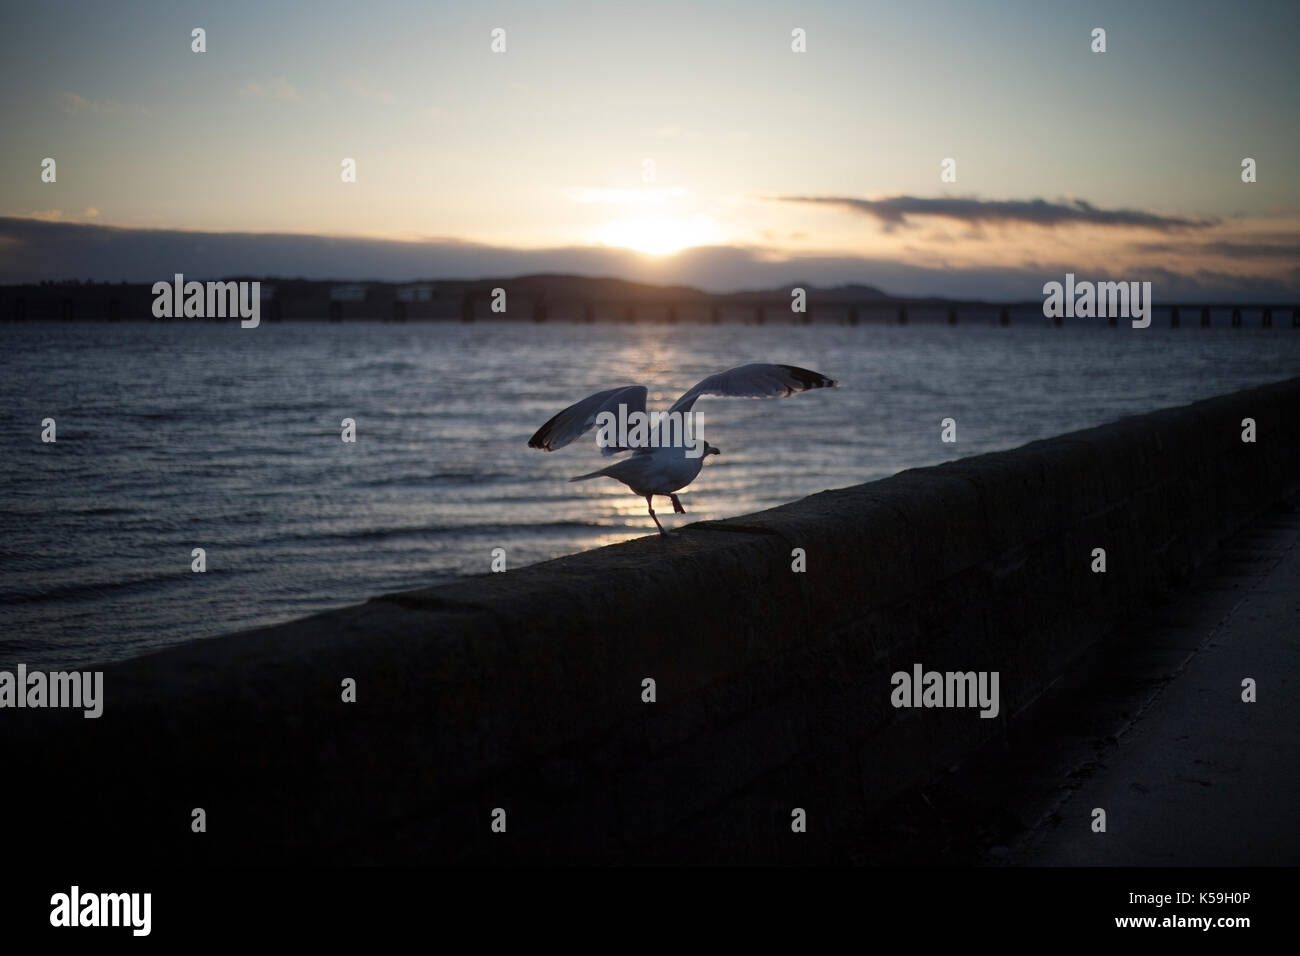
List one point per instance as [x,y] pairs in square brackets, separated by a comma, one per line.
[715,451]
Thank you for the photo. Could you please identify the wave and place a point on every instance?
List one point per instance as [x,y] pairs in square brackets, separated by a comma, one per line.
[105,589]
[465,530]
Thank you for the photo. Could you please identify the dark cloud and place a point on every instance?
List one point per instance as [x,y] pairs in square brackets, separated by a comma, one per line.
[1229,249]
[898,210]
[32,250]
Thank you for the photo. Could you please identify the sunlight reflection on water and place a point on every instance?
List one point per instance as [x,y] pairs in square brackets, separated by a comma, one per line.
[174,436]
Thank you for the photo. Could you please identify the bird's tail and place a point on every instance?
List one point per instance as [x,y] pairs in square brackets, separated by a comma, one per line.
[591,474]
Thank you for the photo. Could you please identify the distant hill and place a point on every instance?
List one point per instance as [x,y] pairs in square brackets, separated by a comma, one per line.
[539,297]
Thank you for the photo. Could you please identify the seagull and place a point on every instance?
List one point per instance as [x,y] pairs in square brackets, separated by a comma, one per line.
[659,467]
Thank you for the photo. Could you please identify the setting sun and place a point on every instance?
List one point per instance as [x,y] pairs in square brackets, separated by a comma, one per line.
[659,235]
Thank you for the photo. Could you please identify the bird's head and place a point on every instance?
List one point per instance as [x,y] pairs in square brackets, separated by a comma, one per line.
[711,449]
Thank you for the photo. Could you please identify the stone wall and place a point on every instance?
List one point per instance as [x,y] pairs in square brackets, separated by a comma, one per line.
[523,690]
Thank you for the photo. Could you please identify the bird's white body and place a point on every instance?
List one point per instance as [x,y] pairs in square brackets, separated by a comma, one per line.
[653,471]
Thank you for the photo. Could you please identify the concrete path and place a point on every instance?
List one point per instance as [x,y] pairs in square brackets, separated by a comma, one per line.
[1195,776]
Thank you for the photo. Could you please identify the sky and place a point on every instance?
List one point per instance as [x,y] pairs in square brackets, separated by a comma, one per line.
[675,142]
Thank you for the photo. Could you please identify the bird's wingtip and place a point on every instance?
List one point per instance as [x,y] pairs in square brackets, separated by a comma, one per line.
[808,379]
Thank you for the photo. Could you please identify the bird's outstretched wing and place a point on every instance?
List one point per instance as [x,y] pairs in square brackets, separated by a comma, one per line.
[579,417]
[757,380]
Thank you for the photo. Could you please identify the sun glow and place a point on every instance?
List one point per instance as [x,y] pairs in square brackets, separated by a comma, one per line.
[659,235]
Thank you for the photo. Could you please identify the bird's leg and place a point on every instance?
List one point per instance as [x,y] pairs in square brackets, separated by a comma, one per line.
[651,506]
[677,505]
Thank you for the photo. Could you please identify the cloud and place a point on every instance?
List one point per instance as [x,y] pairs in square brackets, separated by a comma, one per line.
[625,197]
[896,211]
[37,250]
[74,103]
[278,88]
[363,88]
[57,215]
[1229,249]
